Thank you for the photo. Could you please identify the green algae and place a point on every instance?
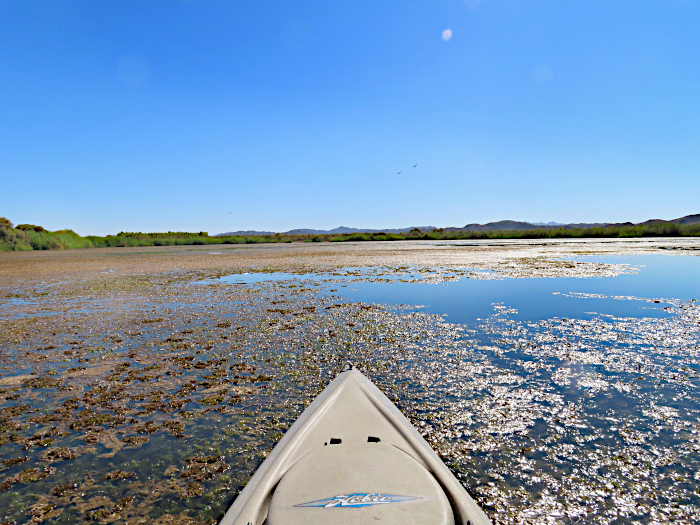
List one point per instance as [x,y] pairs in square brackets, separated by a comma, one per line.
[117,474]
[28,475]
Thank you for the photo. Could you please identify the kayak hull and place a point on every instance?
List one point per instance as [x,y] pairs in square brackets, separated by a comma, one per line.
[353,457]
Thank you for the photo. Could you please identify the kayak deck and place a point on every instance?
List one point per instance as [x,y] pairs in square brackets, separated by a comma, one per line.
[353,457]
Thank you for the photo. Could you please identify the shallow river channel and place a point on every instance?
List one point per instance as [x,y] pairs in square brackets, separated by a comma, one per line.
[553,400]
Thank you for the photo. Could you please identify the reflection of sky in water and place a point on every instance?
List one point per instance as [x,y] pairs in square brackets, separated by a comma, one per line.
[535,412]
[466,300]
[13,302]
[589,420]
[342,275]
[665,276]
[254,278]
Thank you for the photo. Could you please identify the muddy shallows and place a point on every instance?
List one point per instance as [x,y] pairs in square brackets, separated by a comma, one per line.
[150,399]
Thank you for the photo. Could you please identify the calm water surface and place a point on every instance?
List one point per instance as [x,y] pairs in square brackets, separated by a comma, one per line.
[658,277]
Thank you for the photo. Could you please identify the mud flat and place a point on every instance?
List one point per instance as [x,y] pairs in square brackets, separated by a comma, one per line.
[136,386]
[532,256]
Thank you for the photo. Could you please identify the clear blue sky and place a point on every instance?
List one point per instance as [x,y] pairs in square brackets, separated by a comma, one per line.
[226,115]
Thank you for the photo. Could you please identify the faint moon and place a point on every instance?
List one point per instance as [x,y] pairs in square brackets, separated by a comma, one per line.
[542,73]
[447,34]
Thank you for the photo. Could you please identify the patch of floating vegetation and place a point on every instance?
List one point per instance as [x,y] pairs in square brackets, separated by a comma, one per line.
[404,274]
[145,401]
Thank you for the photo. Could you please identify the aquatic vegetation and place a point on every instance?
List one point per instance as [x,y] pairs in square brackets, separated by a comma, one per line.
[118,474]
[28,475]
[148,398]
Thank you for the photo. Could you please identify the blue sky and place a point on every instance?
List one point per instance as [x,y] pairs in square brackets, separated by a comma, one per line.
[228,115]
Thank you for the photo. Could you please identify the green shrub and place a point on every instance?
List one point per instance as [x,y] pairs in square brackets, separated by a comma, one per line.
[30,227]
[12,239]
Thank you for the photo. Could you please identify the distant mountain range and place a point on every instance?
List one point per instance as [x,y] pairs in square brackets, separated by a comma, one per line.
[340,229]
[490,226]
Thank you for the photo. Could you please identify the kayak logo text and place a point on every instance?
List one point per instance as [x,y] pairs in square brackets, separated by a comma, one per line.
[356,500]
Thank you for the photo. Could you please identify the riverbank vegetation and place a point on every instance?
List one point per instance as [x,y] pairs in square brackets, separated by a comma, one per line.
[661,229]
[33,237]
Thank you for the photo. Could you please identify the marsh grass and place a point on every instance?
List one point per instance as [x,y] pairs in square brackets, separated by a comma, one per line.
[663,229]
[59,240]
[31,237]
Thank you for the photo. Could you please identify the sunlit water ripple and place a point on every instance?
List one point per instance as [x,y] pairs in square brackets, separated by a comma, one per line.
[553,400]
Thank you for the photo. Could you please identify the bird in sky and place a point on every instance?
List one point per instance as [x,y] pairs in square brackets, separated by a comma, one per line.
[415,165]
[399,173]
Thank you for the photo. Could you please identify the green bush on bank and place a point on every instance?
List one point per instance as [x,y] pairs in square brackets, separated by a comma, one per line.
[12,239]
[59,240]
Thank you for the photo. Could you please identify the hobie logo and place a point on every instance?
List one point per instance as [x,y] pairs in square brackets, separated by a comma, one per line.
[356,500]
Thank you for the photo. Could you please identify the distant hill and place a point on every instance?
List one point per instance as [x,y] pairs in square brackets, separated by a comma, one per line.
[243,232]
[688,219]
[518,225]
[345,229]
[500,225]
[475,227]
[338,230]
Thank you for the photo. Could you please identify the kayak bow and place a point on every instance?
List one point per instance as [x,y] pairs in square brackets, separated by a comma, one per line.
[353,457]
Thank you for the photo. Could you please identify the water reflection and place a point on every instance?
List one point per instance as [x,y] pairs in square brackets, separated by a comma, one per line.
[157,408]
[642,294]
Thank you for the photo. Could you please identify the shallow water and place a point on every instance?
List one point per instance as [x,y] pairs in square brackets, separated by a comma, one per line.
[344,274]
[569,385]
[656,277]
[553,400]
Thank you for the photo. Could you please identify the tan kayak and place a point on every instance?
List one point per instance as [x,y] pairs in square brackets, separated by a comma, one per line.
[353,458]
